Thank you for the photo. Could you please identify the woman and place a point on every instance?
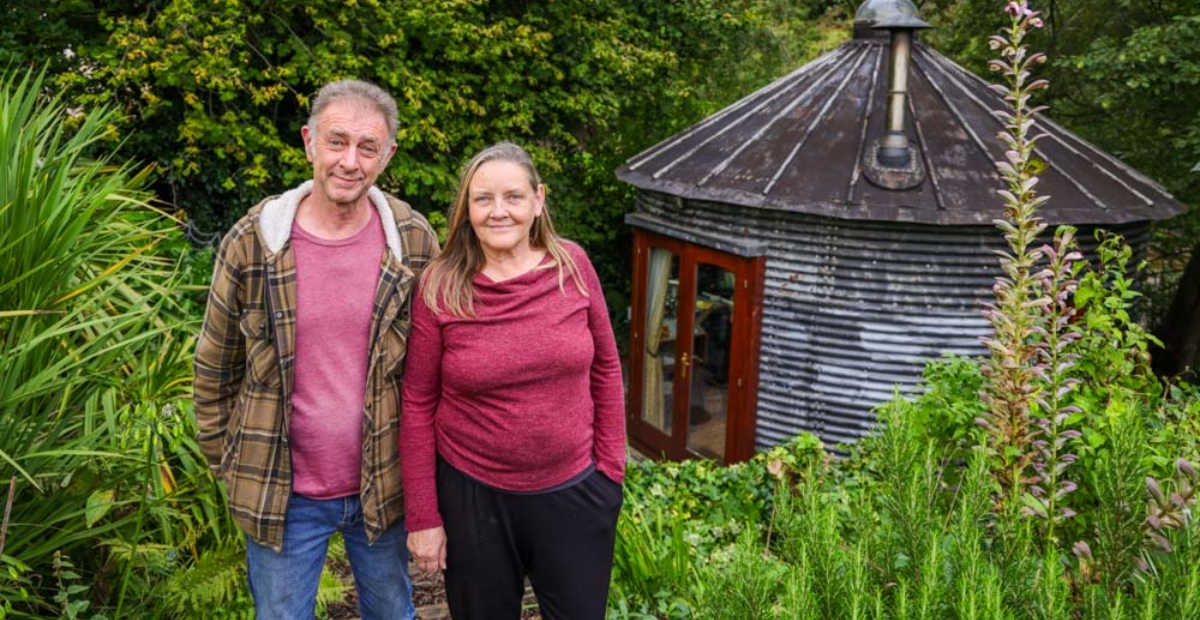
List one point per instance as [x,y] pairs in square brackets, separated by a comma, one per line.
[512,373]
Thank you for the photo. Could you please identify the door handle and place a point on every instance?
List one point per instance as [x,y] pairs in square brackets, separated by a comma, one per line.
[684,361]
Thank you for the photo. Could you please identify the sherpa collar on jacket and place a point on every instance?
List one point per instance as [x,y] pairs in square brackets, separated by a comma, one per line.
[275,221]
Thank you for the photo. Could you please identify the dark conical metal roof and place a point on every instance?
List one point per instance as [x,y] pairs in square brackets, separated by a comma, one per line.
[798,145]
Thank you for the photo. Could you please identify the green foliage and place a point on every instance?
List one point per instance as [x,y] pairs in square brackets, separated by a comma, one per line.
[96,348]
[38,32]
[900,529]
[723,500]
[740,581]
[652,561]
[71,596]
[832,577]
[1143,66]
[1115,345]
[214,92]
[1168,587]
[675,513]
[213,586]
[940,406]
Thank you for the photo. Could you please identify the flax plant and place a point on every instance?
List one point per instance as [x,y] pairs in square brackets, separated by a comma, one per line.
[86,303]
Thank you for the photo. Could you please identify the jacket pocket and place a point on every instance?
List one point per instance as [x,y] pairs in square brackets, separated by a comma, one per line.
[229,449]
[262,367]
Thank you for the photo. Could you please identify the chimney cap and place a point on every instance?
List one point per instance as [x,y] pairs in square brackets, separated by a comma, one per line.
[901,22]
[874,11]
[884,14]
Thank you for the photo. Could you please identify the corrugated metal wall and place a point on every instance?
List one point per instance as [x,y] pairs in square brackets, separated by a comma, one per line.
[853,309]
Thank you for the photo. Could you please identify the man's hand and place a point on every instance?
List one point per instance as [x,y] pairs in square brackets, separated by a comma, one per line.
[428,549]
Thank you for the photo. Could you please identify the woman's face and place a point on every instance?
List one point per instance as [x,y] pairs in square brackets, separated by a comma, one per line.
[503,205]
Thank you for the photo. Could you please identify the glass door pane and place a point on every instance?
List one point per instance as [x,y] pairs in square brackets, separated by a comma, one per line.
[709,377]
[658,364]
[694,358]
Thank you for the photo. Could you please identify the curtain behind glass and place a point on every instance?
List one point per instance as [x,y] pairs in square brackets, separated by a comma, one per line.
[653,398]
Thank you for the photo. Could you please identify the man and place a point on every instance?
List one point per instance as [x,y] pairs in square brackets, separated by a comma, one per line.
[298,365]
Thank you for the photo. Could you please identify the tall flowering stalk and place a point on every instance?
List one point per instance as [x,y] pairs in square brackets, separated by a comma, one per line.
[1045,497]
[1025,374]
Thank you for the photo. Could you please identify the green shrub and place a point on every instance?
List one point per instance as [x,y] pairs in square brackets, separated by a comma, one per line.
[110,492]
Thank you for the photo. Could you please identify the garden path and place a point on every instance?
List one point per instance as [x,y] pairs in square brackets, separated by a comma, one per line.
[429,596]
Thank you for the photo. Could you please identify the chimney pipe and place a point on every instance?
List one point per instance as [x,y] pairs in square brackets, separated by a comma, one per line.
[894,150]
[889,160]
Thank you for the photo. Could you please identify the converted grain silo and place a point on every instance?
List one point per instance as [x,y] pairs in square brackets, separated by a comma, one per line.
[824,237]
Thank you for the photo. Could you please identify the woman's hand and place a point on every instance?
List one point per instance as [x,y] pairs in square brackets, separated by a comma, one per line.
[428,549]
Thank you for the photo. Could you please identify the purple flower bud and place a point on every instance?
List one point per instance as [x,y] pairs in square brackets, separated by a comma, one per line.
[1082,550]
[1155,490]
[1185,468]
[1015,9]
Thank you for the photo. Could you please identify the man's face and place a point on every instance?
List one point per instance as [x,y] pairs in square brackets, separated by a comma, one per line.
[348,150]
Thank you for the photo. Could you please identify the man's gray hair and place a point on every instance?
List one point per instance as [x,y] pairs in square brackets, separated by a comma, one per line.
[361,92]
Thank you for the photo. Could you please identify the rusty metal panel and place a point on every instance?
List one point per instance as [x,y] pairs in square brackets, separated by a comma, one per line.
[852,309]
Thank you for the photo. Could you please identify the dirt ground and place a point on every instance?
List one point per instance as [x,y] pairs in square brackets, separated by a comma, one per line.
[429,597]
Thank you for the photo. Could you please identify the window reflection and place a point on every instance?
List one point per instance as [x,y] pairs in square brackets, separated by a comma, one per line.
[709,379]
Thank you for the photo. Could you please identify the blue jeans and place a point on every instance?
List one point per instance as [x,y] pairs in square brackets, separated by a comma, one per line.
[284,584]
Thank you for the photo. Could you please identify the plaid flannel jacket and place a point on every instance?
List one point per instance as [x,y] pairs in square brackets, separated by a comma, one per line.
[245,360]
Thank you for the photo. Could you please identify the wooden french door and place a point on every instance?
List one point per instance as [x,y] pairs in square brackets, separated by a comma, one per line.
[696,324]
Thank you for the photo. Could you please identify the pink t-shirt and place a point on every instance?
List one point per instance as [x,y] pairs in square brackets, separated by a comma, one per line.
[523,396]
[335,296]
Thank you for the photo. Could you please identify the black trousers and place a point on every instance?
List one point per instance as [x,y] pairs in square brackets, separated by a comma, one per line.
[561,539]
